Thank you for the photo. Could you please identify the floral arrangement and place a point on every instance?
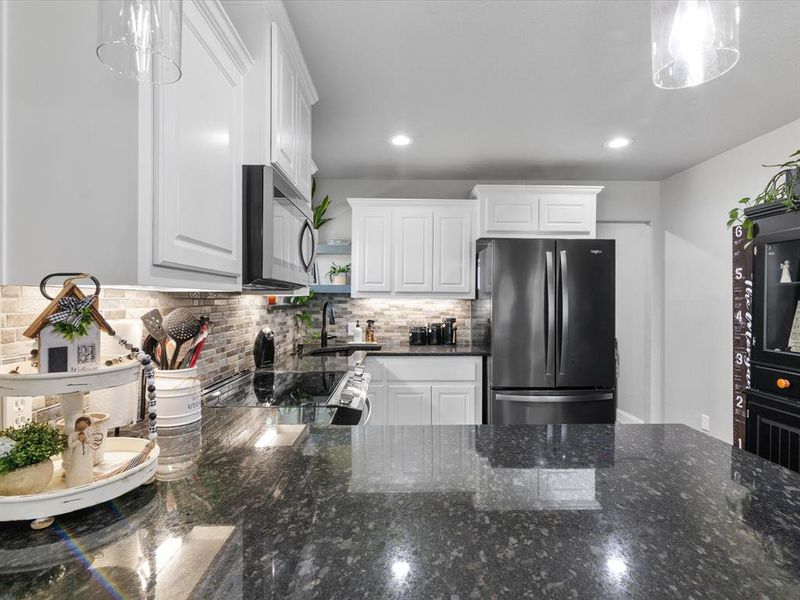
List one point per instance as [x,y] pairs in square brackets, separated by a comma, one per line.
[27,445]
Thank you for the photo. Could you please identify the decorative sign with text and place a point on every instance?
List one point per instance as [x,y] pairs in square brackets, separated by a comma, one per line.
[742,329]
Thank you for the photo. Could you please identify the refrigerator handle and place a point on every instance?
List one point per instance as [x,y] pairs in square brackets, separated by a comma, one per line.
[564,313]
[550,341]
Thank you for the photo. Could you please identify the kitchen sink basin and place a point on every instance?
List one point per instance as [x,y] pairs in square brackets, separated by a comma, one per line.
[340,349]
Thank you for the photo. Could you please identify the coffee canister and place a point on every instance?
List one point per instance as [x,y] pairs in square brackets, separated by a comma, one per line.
[449,331]
[434,334]
[417,336]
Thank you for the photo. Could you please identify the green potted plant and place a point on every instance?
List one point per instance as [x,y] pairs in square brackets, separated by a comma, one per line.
[338,274]
[783,186]
[25,465]
[319,218]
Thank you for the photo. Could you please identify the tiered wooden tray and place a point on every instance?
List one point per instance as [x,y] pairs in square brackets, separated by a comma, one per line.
[56,499]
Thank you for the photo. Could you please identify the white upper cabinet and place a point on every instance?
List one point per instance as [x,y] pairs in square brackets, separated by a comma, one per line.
[149,176]
[453,250]
[196,153]
[413,248]
[524,211]
[284,107]
[293,95]
[372,250]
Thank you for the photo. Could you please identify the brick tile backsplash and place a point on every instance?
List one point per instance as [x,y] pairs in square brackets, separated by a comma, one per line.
[237,319]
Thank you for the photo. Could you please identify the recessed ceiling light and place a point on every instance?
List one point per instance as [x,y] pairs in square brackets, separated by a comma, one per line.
[618,142]
[400,140]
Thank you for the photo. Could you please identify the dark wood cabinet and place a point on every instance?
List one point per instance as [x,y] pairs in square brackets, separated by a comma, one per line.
[773,398]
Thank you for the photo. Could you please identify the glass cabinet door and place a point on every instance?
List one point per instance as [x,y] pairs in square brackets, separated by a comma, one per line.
[781,281]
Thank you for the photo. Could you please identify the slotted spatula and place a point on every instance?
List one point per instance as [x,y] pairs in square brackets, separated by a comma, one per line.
[153,322]
[181,325]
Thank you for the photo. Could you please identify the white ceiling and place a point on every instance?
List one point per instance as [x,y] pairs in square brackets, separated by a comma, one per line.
[529,89]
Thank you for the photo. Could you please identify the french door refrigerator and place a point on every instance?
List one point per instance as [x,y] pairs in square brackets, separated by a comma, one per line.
[551,329]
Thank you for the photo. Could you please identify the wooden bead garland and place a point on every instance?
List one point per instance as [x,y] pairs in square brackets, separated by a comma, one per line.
[150,383]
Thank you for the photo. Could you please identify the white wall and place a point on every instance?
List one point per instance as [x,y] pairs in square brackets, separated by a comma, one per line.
[619,202]
[697,276]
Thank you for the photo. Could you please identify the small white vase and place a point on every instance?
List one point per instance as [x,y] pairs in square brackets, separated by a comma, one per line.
[27,480]
[340,279]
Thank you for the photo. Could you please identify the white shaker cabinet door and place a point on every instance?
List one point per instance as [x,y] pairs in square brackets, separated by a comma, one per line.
[409,404]
[197,153]
[453,251]
[372,251]
[567,213]
[454,405]
[284,148]
[509,212]
[304,161]
[413,245]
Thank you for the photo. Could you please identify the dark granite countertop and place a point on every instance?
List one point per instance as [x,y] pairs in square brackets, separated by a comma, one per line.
[408,350]
[266,510]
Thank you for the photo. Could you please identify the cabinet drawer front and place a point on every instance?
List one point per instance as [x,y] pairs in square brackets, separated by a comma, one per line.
[766,379]
[432,368]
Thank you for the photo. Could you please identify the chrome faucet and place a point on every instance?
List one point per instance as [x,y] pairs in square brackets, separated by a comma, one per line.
[327,317]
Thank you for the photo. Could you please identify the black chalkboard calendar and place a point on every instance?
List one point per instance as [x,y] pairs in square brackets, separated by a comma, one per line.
[742,329]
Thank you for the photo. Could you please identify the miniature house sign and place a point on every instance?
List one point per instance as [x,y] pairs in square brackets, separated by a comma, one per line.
[68,330]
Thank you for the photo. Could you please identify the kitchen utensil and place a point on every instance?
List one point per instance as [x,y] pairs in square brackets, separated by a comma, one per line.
[196,342]
[197,351]
[154,323]
[181,325]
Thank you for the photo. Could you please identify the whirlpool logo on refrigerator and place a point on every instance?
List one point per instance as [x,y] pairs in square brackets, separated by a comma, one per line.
[596,251]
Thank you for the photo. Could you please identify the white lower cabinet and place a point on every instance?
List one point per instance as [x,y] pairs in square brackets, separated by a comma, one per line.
[425,390]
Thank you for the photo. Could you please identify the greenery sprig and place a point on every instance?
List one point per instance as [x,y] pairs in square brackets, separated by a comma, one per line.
[35,442]
[782,187]
[320,209]
[69,331]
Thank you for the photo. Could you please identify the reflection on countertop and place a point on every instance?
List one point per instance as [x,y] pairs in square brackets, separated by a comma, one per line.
[409,350]
[287,510]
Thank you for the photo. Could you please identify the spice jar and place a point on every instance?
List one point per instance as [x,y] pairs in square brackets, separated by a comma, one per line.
[369,334]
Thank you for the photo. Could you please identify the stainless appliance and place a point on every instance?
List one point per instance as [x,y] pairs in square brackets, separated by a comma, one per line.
[551,329]
[279,241]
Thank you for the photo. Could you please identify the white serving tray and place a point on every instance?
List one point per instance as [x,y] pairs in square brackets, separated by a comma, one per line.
[29,382]
[58,500]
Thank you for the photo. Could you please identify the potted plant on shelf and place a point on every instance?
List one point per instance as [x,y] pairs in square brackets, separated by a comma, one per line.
[338,274]
[25,465]
[783,186]
[319,218]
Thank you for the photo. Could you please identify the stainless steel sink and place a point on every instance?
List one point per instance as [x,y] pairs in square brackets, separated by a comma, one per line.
[340,350]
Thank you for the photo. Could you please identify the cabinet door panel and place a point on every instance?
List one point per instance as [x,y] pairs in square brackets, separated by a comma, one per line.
[409,404]
[453,405]
[284,107]
[504,212]
[453,251]
[564,213]
[413,250]
[304,162]
[372,251]
[197,141]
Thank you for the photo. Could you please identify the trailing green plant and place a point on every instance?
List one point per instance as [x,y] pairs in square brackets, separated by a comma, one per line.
[30,444]
[320,209]
[338,269]
[69,331]
[303,317]
[781,187]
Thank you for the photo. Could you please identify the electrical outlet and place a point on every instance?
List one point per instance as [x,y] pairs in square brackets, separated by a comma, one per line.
[16,411]
[705,424]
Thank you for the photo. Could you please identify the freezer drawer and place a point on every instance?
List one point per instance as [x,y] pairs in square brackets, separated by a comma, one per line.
[541,407]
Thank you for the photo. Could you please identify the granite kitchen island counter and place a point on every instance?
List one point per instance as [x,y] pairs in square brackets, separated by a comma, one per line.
[583,511]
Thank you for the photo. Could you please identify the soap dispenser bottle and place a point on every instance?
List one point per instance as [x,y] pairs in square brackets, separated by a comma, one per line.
[358,333]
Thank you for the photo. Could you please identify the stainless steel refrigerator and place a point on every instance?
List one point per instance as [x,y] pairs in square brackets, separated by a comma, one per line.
[549,307]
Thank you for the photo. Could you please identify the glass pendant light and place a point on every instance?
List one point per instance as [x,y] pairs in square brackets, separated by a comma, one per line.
[141,39]
[693,41]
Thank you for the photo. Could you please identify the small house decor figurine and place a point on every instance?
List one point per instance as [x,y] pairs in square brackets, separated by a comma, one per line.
[68,331]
